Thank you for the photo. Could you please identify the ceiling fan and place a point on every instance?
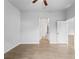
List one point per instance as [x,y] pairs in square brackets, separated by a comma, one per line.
[44,1]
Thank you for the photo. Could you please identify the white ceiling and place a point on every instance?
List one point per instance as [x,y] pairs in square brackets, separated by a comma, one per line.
[53,5]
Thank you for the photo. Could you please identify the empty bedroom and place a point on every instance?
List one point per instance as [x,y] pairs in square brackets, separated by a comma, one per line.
[39,29]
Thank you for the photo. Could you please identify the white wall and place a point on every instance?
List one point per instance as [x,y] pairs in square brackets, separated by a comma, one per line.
[70,12]
[12,26]
[71,26]
[30,25]
[70,17]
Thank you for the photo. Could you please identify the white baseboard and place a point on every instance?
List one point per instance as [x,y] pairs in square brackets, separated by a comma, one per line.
[58,43]
[38,42]
[11,48]
[29,42]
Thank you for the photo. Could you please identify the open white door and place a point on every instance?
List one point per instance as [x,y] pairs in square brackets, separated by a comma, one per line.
[43,22]
[62,32]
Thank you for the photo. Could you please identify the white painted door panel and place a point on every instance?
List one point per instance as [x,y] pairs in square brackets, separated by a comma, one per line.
[62,32]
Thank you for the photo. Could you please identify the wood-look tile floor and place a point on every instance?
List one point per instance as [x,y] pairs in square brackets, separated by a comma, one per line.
[32,51]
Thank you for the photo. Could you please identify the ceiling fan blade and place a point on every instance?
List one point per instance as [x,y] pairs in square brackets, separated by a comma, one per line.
[34,1]
[45,2]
